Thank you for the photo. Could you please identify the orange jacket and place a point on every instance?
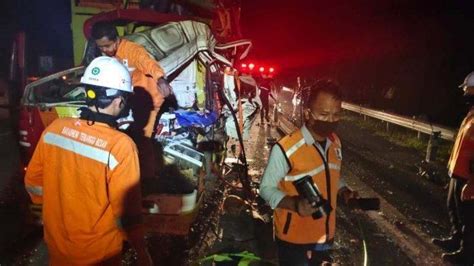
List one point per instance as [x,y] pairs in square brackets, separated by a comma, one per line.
[87,178]
[146,71]
[305,159]
[462,154]
[461,162]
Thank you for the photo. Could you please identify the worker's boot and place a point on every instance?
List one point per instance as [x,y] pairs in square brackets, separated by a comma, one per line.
[449,244]
[465,254]
[459,257]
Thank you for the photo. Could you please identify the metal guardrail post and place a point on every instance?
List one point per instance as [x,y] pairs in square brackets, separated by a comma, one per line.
[432,148]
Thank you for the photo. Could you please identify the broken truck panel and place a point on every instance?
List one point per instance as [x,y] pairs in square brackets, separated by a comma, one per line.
[176,43]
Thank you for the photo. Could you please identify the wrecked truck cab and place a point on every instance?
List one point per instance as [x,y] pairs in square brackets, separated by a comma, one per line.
[190,133]
[55,96]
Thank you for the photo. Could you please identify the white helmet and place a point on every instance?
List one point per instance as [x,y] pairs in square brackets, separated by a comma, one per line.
[108,72]
[468,82]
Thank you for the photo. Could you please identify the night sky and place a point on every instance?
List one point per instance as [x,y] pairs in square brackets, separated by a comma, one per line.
[422,48]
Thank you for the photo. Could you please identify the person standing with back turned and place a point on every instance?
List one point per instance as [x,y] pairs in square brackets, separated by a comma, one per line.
[85,173]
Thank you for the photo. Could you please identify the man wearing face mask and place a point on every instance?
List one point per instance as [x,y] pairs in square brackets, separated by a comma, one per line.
[314,150]
[85,174]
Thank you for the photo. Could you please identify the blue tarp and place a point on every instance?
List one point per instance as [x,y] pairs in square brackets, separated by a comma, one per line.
[195,119]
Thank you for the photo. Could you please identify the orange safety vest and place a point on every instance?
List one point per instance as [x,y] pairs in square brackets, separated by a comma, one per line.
[146,71]
[306,159]
[87,179]
[463,150]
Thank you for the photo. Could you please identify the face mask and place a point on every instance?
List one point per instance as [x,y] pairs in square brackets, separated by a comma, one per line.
[323,128]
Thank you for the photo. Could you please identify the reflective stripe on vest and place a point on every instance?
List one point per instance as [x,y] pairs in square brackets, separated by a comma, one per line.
[294,148]
[35,190]
[306,159]
[81,149]
[313,172]
[334,166]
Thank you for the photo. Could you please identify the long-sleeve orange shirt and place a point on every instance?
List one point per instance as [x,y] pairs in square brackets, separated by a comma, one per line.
[87,178]
[146,71]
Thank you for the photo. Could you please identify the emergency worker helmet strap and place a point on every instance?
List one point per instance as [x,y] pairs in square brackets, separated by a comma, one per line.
[109,73]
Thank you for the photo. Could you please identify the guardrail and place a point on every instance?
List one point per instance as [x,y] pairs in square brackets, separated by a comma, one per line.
[435,131]
[420,126]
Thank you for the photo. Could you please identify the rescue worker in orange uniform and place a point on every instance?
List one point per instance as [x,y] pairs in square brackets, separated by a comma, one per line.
[313,150]
[459,246]
[147,99]
[85,173]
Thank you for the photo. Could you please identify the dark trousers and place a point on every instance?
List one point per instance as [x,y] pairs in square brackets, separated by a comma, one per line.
[297,254]
[264,112]
[461,215]
[454,206]
[467,242]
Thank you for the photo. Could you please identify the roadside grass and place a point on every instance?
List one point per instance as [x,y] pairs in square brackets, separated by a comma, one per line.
[401,136]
